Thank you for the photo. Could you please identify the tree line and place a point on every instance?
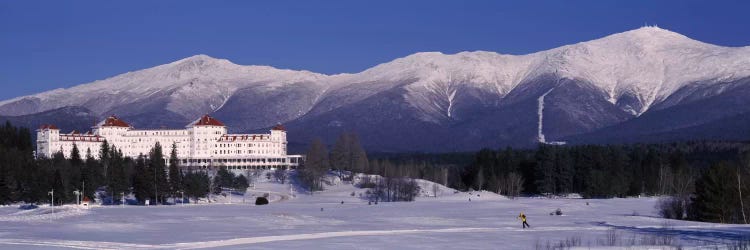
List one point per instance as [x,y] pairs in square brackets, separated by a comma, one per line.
[390,177]
[24,178]
[698,180]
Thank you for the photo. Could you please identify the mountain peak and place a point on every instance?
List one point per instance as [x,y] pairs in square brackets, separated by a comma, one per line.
[199,58]
[200,62]
[651,35]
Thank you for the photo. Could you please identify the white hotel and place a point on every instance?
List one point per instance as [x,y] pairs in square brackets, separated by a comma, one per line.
[201,145]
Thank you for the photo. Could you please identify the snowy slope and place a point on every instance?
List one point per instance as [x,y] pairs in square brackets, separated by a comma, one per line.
[191,87]
[650,63]
[591,85]
[320,221]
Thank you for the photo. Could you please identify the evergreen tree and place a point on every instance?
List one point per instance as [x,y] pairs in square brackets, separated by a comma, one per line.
[223,179]
[241,183]
[545,169]
[75,172]
[158,168]
[61,184]
[564,171]
[4,190]
[196,184]
[715,198]
[142,183]
[175,176]
[58,189]
[119,180]
[91,176]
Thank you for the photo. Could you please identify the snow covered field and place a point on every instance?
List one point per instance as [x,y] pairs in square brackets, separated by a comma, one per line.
[321,221]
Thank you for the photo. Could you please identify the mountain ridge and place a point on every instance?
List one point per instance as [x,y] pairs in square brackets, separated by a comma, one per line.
[592,85]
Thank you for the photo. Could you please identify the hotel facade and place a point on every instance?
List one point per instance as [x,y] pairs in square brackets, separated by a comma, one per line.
[203,144]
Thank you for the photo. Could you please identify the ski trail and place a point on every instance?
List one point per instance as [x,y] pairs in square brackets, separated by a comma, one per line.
[264,239]
[75,244]
[275,238]
[540,111]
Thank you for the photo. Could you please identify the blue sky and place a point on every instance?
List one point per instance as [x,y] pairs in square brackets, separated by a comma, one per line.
[53,44]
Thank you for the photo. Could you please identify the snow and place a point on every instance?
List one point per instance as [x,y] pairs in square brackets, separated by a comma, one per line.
[540,113]
[648,63]
[321,221]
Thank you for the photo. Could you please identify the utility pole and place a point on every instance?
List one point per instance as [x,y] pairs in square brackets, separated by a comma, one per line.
[122,198]
[83,191]
[182,194]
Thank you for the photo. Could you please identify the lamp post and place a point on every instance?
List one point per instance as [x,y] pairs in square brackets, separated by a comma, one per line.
[78,196]
[52,193]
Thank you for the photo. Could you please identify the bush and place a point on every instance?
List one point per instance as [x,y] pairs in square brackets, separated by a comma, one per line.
[672,208]
[261,201]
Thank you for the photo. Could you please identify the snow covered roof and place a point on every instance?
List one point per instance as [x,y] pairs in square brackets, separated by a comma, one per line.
[113,121]
[207,120]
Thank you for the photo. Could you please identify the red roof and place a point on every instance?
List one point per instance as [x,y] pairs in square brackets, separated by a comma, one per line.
[113,121]
[47,126]
[278,127]
[208,121]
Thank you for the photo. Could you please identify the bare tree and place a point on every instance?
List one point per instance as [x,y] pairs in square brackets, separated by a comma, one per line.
[665,180]
[515,184]
[280,175]
[315,167]
[745,159]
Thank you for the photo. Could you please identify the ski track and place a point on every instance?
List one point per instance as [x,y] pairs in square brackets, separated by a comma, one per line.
[266,239]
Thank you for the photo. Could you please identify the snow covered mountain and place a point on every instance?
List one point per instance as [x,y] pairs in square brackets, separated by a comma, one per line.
[430,101]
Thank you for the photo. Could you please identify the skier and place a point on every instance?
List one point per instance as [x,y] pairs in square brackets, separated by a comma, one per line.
[523,218]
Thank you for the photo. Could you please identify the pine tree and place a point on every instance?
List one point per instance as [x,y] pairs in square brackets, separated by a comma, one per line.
[75,173]
[715,197]
[175,176]
[241,183]
[59,188]
[196,184]
[4,190]
[119,181]
[91,175]
[545,169]
[158,168]
[142,188]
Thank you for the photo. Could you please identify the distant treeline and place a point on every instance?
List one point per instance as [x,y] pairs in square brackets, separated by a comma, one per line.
[700,180]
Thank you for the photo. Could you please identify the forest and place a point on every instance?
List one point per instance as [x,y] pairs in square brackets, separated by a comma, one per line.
[699,180]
